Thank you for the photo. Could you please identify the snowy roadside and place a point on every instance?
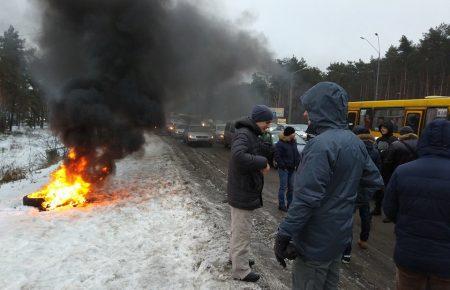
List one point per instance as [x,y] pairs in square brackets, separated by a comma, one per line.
[155,234]
[25,149]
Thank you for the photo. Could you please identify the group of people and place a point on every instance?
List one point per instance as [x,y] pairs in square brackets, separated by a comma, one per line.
[338,172]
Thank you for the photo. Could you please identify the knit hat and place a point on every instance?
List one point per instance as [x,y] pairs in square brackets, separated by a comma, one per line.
[261,113]
[288,131]
[406,130]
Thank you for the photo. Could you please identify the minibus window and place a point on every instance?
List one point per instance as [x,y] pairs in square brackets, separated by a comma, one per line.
[393,115]
[436,113]
[365,118]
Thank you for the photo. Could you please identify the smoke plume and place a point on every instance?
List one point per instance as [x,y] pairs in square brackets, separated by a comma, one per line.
[112,66]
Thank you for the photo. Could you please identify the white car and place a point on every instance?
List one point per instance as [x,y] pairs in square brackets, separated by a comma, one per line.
[199,134]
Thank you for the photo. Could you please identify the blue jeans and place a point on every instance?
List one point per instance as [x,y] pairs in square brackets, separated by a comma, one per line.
[286,187]
[366,219]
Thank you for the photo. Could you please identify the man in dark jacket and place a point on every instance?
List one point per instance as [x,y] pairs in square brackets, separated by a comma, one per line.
[383,144]
[245,184]
[334,164]
[362,200]
[287,158]
[403,150]
[418,201]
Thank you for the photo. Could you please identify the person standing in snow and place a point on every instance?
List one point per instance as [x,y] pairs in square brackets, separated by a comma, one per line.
[244,188]
[334,164]
[287,158]
[363,200]
[418,201]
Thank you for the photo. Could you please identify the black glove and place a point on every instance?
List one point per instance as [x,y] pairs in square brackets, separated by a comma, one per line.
[284,249]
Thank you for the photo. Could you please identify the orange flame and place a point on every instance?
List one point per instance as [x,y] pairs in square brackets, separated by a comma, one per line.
[67,186]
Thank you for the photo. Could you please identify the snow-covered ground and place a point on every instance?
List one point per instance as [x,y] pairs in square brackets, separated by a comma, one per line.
[26,149]
[150,232]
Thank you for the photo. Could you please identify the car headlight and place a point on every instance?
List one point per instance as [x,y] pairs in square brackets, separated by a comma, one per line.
[190,136]
[221,136]
[212,137]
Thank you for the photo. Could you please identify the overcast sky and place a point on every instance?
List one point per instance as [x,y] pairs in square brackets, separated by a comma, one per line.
[321,31]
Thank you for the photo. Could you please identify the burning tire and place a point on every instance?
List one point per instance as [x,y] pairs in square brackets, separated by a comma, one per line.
[35,202]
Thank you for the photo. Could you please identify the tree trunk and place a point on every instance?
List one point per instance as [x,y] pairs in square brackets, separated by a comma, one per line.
[10,121]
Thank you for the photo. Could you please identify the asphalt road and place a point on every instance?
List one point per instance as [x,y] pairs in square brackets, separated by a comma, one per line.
[369,269]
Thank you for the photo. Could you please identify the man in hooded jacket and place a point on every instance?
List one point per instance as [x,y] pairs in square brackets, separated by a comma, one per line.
[334,164]
[418,201]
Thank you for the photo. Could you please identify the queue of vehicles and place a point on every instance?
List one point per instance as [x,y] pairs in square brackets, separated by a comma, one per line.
[202,133]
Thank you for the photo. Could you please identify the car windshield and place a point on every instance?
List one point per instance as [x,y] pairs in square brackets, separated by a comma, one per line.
[220,127]
[199,129]
[180,126]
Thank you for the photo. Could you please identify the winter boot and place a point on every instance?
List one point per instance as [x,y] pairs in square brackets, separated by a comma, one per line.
[251,277]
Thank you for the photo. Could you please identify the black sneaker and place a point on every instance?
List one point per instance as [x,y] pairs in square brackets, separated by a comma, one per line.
[346,259]
[251,277]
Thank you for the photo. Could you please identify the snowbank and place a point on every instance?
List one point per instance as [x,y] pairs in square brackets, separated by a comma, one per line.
[147,233]
[26,148]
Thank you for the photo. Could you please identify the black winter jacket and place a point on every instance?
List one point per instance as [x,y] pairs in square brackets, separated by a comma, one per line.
[245,179]
[402,151]
[383,144]
[418,200]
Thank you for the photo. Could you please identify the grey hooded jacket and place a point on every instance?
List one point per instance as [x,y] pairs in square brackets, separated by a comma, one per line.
[334,164]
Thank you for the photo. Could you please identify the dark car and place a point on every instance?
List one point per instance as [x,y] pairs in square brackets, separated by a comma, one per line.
[228,134]
[198,134]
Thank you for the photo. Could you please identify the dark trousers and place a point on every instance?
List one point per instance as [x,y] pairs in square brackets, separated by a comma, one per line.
[310,275]
[378,197]
[286,187]
[407,280]
[366,220]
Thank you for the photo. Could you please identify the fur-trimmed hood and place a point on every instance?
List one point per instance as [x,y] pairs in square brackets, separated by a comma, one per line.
[409,136]
[366,137]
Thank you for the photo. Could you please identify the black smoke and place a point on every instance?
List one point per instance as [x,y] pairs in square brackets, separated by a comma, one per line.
[111,67]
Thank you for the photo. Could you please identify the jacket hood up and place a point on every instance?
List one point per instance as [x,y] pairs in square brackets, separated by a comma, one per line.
[435,139]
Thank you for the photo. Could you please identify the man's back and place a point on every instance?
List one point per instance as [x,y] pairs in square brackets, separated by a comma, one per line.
[418,200]
[334,164]
[329,227]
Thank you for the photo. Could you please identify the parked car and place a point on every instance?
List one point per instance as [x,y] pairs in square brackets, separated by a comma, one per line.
[220,133]
[228,134]
[301,143]
[199,134]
